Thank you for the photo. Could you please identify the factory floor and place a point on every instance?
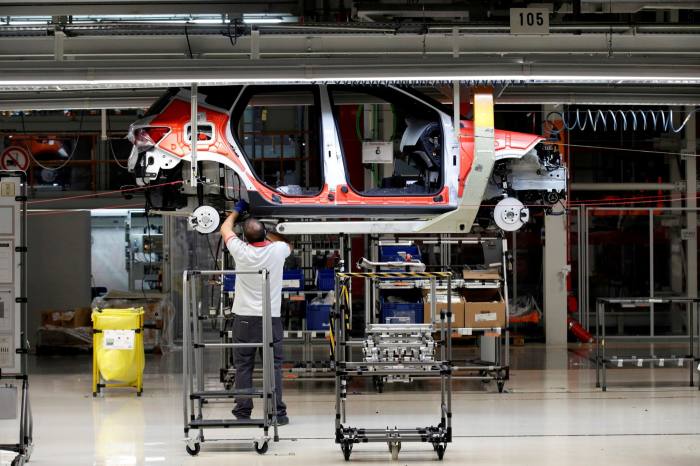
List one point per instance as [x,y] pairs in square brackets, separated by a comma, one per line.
[551,413]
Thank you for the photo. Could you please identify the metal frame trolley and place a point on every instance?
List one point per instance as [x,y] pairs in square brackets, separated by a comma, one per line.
[13,298]
[195,391]
[603,361]
[394,352]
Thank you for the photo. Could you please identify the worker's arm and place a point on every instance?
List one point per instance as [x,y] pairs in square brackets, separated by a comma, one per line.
[274,236]
[227,227]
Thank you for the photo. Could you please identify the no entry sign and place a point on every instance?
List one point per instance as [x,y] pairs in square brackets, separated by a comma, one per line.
[14,158]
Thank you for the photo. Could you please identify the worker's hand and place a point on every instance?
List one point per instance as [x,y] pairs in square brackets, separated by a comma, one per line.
[241,206]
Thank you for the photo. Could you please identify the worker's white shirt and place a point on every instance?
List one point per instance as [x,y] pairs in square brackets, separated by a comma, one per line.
[249,296]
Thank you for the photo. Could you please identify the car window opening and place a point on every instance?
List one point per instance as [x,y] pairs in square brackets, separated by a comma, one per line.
[279,132]
[392,143]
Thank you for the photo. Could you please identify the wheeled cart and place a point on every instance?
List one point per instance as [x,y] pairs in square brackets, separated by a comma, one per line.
[393,352]
[118,355]
[196,393]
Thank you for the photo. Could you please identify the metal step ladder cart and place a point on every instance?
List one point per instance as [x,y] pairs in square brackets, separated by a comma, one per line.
[14,347]
[196,393]
[394,352]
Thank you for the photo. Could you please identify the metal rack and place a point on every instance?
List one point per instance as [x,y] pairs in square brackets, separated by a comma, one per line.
[396,352]
[653,360]
[13,287]
[195,394]
[497,370]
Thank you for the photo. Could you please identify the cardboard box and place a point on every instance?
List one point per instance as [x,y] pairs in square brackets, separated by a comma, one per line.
[457,307]
[485,274]
[79,317]
[484,308]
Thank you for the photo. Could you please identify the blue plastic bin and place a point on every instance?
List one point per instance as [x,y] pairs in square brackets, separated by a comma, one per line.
[318,317]
[391,253]
[325,279]
[229,283]
[293,275]
[401,313]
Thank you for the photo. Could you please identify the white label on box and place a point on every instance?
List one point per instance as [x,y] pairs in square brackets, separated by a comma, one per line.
[118,339]
[485,317]
[529,21]
[7,262]
[7,221]
[377,152]
[291,284]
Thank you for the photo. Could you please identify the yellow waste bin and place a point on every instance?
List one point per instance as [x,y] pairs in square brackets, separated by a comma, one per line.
[118,356]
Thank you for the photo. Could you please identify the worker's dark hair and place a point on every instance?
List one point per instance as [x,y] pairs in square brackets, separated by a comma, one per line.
[254,230]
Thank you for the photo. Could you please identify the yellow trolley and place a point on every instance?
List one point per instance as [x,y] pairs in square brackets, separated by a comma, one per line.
[118,356]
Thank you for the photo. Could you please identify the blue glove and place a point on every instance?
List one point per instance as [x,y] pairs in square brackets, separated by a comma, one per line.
[241,206]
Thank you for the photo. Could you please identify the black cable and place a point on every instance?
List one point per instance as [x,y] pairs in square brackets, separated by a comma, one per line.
[189,46]
[233,39]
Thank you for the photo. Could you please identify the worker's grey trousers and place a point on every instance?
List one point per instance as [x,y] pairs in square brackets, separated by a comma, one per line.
[248,329]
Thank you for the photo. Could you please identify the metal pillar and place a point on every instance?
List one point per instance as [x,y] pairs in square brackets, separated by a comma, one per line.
[555,271]
[194,134]
[692,204]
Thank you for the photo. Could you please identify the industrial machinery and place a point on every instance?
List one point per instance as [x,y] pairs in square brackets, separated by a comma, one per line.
[303,151]
[14,347]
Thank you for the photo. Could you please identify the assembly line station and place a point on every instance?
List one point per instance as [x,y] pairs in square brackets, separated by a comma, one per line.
[491,211]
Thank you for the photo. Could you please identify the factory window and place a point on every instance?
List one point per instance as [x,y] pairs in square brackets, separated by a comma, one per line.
[278,129]
[392,142]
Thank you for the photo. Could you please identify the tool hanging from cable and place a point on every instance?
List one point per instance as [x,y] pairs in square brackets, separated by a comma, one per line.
[625,119]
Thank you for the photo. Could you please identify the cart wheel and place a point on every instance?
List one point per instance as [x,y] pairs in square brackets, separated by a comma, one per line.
[193,451]
[139,393]
[347,449]
[261,449]
[500,386]
[18,461]
[94,394]
[395,449]
[440,450]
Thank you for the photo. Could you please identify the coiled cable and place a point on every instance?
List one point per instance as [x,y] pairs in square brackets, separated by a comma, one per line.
[624,119]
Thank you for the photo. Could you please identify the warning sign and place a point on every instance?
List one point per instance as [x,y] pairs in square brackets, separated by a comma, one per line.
[14,158]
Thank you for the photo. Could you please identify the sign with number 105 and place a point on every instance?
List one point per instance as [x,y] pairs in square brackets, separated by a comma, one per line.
[529,21]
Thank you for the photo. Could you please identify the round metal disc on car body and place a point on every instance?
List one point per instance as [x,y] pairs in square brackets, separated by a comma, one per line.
[205,219]
[510,214]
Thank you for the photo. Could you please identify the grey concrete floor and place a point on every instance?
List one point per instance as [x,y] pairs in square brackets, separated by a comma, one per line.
[551,413]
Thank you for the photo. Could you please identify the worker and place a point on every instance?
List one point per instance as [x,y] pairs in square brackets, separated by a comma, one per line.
[260,250]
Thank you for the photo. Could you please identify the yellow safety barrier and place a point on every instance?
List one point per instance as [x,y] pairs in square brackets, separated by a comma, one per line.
[118,356]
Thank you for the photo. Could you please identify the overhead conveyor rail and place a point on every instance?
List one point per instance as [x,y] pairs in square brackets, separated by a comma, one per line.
[195,391]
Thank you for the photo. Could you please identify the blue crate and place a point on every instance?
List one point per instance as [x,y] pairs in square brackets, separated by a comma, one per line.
[318,317]
[325,279]
[229,283]
[400,313]
[391,253]
[296,275]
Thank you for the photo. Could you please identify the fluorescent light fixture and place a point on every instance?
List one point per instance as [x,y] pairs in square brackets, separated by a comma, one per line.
[262,18]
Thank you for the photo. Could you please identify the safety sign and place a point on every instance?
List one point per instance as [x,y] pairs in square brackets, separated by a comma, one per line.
[14,158]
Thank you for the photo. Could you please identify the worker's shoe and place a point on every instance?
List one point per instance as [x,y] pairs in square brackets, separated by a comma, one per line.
[240,416]
[282,420]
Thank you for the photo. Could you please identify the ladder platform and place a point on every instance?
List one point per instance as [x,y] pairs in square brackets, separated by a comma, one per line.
[235,393]
[226,423]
